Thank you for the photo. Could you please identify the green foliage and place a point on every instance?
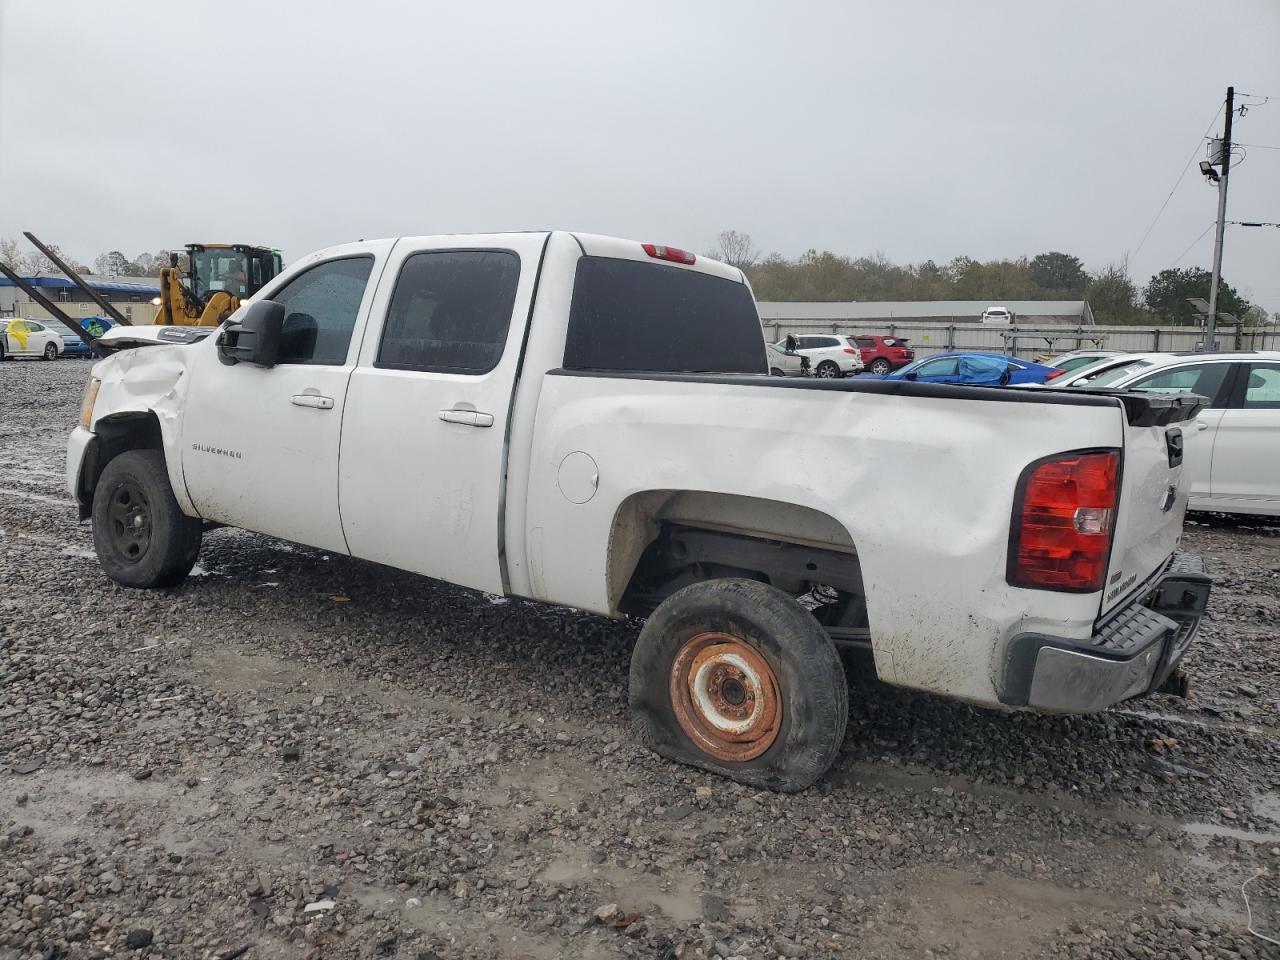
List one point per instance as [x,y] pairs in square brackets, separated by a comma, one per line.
[1059,271]
[1113,296]
[1168,291]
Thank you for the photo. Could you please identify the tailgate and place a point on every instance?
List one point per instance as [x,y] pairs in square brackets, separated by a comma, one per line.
[1153,494]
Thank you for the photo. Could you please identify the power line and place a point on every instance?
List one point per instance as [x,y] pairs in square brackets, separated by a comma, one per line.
[1259,146]
[1177,183]
[1194,242]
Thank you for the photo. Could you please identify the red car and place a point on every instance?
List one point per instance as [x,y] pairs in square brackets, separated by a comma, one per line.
[883,355]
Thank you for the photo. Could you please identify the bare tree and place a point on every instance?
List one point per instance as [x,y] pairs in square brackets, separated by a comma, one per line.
[12,255]
[735,249]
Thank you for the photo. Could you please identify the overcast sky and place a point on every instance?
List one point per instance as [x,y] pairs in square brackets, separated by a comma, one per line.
[923,130]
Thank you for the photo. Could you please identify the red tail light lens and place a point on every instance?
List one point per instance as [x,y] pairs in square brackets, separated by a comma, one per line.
[1056,373]
[674,254]
[850,350]
[1062,522]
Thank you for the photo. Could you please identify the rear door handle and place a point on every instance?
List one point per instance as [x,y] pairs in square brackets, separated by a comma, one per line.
[312,400]
[470,418]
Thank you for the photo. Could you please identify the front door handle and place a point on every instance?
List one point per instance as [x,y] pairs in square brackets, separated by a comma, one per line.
[470,418]
[312,400]
[1201,425]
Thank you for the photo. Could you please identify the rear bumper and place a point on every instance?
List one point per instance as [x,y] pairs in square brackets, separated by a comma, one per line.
[1130,654]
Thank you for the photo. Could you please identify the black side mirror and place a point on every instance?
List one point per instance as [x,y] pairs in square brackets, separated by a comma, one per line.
[792,343]
[910,376]
[255,337]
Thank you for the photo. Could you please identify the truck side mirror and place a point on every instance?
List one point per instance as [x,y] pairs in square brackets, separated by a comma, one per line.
[255,337]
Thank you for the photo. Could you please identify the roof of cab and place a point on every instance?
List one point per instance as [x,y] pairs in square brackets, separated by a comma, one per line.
[595,245]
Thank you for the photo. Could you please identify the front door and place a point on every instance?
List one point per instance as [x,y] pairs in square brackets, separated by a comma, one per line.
[1246,452]
[424,438]
[260,445]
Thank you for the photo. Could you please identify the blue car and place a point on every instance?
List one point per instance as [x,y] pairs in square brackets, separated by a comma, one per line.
[984,369]
[72,345]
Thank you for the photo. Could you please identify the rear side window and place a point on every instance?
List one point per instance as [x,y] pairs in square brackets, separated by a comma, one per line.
[866,342]
[320,307]
[631,315]
[450,311]
[1262,388]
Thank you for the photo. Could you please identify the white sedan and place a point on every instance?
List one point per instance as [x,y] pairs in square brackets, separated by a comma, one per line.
[1232,450]
[28,338]
[786,363]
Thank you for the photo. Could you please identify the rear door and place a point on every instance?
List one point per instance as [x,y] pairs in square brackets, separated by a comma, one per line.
[1211,380]
[1153,489]
[421,481]
[1246,450]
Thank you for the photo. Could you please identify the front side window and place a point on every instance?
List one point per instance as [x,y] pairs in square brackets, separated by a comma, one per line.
[1202,378]
[321,306]
[944,367]
[450,311]
[1262,387]
[219,268]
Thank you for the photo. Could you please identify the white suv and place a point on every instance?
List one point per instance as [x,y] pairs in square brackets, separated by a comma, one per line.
[997,315]
[830,355]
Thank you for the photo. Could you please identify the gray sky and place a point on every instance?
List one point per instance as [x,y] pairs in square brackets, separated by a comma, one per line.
[919,129]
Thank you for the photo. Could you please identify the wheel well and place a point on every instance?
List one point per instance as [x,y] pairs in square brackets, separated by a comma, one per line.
[113,436]
[663,540]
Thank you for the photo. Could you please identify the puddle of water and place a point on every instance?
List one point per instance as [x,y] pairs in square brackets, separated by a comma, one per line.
[1234,833]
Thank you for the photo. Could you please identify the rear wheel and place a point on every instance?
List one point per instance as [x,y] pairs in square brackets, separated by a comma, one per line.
[4,354]
[51,351]
[142,538]
[734,676]
[775,372]
[880,366]
[828,370]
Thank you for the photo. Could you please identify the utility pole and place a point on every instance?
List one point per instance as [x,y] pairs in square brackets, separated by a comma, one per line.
[1210,343]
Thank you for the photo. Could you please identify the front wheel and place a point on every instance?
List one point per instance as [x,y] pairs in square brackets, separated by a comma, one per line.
[828,370]
[51,351]
[141,536]
[880,367]
[775,372]
[736,677]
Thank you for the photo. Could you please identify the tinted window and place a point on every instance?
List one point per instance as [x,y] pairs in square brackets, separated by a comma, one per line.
[450,311]
[320,311]
[1262,388]
[630,315]
[866,342]
[1202,378]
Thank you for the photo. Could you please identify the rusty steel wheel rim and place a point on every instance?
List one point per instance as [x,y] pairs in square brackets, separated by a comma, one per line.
[725,696]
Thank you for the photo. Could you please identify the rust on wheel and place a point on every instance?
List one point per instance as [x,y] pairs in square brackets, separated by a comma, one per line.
[725,696]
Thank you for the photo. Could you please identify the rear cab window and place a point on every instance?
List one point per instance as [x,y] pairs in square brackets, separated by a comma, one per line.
[629,315]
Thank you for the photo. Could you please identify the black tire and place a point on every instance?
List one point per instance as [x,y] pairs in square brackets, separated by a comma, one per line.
[828,370]
[811,688]
[880,367]
[141,536]
[4,354]
[51,351]
[776,372]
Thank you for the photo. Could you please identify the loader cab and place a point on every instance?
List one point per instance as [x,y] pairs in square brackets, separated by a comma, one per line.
[236,269]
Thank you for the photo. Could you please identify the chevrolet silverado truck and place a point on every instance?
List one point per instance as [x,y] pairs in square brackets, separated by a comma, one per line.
[590,422]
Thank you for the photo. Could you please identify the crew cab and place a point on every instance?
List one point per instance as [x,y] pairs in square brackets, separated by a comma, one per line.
[590,422]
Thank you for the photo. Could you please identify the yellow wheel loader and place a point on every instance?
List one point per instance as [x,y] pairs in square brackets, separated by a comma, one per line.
[218,276]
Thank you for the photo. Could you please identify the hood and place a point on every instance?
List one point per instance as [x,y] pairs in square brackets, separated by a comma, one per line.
[124,338]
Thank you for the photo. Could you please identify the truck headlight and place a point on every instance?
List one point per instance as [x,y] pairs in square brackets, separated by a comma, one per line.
[87,400]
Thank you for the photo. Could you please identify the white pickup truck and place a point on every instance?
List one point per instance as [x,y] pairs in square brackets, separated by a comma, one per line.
[590,422]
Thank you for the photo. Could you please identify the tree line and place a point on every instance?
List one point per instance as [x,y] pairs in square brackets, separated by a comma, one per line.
[111,264]
[824,276]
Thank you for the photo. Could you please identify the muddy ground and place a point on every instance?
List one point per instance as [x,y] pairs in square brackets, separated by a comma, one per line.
[296,754]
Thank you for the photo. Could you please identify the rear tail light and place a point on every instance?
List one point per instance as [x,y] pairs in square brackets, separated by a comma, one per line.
[1056,373]
[850,350]
[674,254]
[1063,517]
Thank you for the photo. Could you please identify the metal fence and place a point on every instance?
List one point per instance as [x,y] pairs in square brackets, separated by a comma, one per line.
[1029,341]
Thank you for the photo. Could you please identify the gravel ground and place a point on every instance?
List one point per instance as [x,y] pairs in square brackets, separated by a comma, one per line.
[296,754]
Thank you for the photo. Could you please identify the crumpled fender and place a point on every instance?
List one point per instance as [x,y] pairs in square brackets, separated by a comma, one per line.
[152,380]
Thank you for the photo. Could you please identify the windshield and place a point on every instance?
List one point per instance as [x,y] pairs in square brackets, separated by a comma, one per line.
[1073,363]
[219,269]
[1114,375]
